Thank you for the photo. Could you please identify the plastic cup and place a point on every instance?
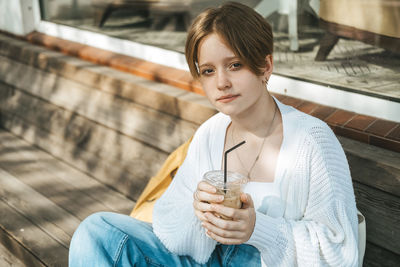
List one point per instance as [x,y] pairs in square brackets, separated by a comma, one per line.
[231,190]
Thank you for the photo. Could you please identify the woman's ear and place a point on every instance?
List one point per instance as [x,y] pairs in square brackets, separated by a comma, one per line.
[269,65]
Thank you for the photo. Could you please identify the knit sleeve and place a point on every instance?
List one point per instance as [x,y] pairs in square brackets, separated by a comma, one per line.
[327,233]
[174,220]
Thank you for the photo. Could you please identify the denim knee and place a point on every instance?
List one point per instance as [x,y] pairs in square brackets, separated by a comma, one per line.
[95,219]
[102,226]
[93,225]
[95,240]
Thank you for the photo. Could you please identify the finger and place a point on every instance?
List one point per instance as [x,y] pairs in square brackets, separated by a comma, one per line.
[222,232]
[195,197]
[202,206]
[247,201]
[200,215]
[223,240]
[207,197]
[236,215]
[204,186]
[227,211]
[222,223]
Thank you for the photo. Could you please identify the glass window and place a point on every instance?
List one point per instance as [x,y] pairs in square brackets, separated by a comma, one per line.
[353,44]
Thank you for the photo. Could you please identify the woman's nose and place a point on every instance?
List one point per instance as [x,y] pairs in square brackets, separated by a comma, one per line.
[223,81]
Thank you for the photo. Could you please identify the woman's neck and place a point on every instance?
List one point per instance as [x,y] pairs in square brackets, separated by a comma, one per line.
[257,119]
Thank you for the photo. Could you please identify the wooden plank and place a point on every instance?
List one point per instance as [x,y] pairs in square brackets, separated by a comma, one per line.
[376,256]
[149,126]
[111,173]
[41,176]
[45,175]
[382,215]
[34,241]
[55,221]
[27,53]
[18,249]
[384,156]
[374,174]
[7,259]
[373,166]
[83,133]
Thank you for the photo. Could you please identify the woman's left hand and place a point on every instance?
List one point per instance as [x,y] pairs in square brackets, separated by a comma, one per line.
[235,231]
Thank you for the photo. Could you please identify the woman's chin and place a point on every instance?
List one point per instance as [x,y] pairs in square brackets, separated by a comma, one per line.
[227,111]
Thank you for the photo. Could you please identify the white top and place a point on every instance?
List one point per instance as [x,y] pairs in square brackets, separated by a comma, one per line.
[265,197]
[318,224]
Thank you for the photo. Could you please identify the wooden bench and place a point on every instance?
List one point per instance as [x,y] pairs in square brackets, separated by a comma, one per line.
[80,138]
[373,22]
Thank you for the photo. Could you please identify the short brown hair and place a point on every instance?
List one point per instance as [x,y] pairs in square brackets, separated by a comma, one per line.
[245,31]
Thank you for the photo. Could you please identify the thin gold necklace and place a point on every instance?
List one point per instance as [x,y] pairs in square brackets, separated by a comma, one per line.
[260,150]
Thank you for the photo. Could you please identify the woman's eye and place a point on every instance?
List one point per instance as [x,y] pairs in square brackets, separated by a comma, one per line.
[206,72]
[236,65]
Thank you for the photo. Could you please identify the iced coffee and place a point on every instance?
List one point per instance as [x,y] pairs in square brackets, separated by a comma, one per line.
[231,190]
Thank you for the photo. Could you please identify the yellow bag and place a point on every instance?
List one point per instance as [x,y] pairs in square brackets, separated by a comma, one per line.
[157,185]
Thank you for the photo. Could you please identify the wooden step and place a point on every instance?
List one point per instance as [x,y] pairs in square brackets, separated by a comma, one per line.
[85,143]
[58,180]
[376,179]
[373,166]
[111,173]
[147,125]
[79,130]
[43,201]
[162,97]
[68,119]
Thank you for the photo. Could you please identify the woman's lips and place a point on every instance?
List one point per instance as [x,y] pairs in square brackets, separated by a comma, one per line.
[227,98]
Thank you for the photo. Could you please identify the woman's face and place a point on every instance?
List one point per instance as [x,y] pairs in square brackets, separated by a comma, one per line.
[229,85]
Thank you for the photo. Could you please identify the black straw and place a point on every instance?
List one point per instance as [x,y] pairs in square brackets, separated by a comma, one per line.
[226,160]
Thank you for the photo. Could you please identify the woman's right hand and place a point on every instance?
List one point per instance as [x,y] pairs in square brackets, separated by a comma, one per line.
[204,195]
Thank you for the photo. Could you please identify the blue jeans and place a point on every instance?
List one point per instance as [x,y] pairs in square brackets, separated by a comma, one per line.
[111,239]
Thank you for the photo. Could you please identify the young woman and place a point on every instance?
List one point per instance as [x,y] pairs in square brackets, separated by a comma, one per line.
[298,207]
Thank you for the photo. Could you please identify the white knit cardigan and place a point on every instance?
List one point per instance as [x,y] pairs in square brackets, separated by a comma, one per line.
[319,223]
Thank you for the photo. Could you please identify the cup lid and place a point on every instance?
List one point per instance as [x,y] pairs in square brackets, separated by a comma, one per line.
[216,178]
